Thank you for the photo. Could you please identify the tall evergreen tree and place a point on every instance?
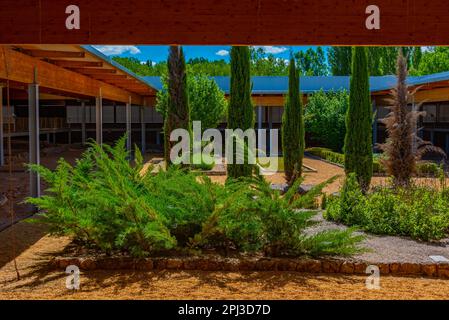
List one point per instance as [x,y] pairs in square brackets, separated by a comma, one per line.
[358,139]
[178,110]
[293,128]
[240,109]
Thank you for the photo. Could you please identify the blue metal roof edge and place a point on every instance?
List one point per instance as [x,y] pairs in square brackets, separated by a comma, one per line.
[109,60]
[377,83]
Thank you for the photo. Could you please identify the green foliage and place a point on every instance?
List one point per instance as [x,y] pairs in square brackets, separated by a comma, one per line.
[427,169]
[358,139]
[252,216]
[293,134]
[423,169]
[207,101]
[327,154]
[178,109]
[240,110]
[107,203]
[312,62]
[104,202]
[418,212]
[340,60]
[149,68]
[325,118]
[381,60]
[433,60]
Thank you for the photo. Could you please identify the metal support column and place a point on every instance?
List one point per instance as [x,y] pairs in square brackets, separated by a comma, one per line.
[83,123]
[99,119]
[2,146]
[143,129]
[270,126]
[374,125]
[33,129]
[128,125]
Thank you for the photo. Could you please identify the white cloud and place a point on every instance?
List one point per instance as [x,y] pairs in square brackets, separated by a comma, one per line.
[427,49]
[272,49]
[222,53]
[115,50]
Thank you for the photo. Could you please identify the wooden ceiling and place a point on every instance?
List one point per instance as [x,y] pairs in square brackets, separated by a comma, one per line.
[77,59]
[224,22]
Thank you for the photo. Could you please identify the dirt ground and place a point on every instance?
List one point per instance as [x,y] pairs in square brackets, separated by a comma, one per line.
[34,248]
[324,171]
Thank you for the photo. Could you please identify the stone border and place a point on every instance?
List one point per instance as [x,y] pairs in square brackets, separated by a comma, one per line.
[435,270]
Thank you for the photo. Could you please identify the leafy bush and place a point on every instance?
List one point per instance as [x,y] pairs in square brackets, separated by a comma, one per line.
[253,216]
[107,203]
[418,212]
[427,169]
[325,118]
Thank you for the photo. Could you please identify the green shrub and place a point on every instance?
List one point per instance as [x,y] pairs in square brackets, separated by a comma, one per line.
[104,202]
[418,212]
[427,169]
[327,154]
[423,168]
[253,216]
[107,203]
[325,118]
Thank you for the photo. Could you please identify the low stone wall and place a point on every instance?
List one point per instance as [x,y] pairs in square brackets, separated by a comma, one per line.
[248,264]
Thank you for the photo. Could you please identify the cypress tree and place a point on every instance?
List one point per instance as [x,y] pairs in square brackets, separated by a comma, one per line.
[358,139]
[240,109]
[178,111]
[293,127]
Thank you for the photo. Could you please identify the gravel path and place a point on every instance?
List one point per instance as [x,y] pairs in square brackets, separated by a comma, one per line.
[388,249]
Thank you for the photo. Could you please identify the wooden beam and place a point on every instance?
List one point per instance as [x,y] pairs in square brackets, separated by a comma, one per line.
[20,68]
[76,64]
[54,54]
[94,70]
[224,22]
[109,76]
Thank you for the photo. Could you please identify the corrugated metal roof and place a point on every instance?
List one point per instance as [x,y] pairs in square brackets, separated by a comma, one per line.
[279,84]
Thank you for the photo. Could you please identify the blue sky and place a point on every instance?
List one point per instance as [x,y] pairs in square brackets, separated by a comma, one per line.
[159,53]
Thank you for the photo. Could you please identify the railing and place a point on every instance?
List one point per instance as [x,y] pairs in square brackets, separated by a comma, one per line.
[21,124]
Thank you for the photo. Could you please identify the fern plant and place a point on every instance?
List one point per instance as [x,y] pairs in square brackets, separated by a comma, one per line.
[109,204]
[251,216]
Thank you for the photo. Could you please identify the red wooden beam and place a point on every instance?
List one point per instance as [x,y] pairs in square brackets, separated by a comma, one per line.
[270,22]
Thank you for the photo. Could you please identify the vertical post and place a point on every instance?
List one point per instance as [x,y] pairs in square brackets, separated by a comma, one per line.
[446,140]
[415,128]
[128,125]
[83,123]
[70,134]
[33,130]
[374,124]
[99,119]
[143,129]
[158,138]
[2,146]
[270,126]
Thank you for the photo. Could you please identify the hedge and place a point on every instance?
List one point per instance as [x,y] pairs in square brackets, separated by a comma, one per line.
[423,168]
